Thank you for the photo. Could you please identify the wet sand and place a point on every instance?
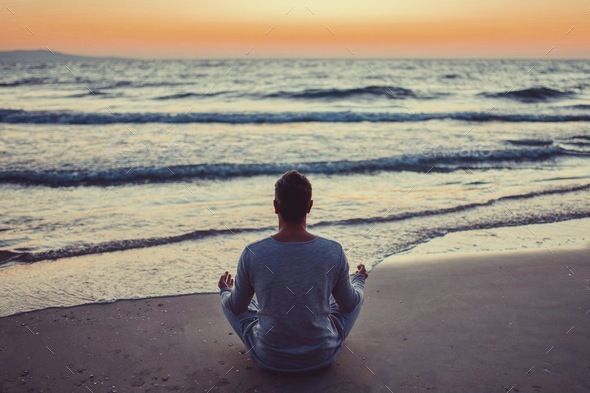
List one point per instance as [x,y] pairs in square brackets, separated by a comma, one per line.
[507,322]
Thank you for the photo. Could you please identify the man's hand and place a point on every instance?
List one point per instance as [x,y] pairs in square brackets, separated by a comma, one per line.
[361,270]
[226,281]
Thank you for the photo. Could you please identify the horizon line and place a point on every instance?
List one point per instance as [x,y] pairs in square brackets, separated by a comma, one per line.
[301,57]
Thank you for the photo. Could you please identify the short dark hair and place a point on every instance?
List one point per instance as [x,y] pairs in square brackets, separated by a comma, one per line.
[293,193]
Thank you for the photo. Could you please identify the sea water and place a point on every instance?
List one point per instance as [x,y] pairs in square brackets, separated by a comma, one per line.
[134,178]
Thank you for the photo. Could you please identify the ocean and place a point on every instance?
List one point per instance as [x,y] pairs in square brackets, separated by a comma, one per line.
[136,178]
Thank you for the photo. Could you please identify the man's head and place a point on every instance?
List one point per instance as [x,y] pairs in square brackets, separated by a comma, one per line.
[293,197]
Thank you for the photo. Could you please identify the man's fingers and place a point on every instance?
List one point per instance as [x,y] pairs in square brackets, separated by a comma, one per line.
[362,270]
[225,280]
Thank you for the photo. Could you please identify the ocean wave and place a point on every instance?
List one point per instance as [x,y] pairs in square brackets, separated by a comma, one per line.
[576,144]
[512,221]
[530,142]
[455,209]
[377,91]
[24,82]
[313,94]
[35,81]
[67,117]
[119,84]
[136,84]
[129,244]
[422,162]
[88,93]
[187,95]
[120,245]
[533,94]
[583,137]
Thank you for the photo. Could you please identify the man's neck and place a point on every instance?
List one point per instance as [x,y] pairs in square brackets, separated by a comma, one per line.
[293,232]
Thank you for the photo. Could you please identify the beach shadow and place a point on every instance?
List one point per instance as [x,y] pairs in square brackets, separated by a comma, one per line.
[342,376]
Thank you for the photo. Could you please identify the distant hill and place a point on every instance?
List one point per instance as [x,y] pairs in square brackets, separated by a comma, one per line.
[44,55]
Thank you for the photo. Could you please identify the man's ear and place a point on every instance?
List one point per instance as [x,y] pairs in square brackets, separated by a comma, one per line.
[310,205]
[276,205]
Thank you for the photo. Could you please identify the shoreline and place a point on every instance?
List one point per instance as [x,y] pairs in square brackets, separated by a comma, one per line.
[450,246]
[569,234]
[396,260]
[454,324]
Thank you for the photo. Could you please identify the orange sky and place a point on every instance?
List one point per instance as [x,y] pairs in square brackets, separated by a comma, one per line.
[323,28]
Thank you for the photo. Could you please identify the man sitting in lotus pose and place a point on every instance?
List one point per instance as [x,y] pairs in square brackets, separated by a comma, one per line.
[307,303]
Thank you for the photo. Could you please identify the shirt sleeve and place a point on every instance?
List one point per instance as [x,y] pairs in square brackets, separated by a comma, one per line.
[349,291]
[238,299]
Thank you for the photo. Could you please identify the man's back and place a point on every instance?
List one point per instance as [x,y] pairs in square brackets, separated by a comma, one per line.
[308,303]
[293,282]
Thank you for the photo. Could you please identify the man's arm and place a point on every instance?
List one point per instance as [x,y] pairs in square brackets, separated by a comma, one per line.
[237,298]
[349,291]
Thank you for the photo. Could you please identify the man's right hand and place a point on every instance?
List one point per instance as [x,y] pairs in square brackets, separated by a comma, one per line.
[362,270]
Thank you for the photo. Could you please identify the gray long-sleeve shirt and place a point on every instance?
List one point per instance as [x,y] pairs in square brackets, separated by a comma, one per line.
[293,282]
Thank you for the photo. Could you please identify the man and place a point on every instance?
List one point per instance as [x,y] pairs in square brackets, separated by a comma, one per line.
[307,303]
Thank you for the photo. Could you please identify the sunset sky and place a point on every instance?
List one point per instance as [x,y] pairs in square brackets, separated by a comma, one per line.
[322,28]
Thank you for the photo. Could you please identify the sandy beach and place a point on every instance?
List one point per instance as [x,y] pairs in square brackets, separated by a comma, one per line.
[509,322]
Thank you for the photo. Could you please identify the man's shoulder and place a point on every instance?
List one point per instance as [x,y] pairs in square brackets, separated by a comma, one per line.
[265,241]
[270,242]
[257,245]
[328,243]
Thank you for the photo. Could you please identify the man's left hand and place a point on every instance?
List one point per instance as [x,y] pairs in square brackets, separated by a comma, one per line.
[226,281]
